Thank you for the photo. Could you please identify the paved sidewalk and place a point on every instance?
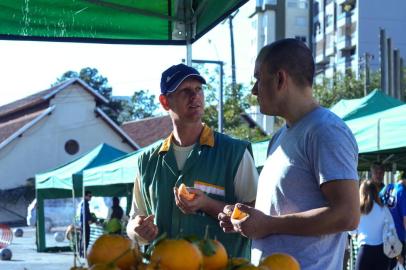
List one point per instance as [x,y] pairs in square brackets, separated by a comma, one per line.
[26,257]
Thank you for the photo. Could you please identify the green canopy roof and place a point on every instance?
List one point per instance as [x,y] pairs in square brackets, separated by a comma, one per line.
[120,171]
[381,134]
[112,21]
[376,101]
[61,177]
[259,150]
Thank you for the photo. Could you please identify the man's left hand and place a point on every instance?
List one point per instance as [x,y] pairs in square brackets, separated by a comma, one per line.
[255,226]
[192,206]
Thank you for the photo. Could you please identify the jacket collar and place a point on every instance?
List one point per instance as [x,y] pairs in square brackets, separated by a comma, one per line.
[206,138]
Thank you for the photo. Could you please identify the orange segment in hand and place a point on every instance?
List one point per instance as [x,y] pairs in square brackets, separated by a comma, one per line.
[238,214]
[184,193]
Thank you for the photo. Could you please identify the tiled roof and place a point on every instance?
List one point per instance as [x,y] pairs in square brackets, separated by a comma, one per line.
[148,130]
[15,115]
[24,102]
[43,96]
[10,127]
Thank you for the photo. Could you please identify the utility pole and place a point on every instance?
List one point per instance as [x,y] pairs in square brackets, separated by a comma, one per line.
[367,82]
[383,61]
[233,76]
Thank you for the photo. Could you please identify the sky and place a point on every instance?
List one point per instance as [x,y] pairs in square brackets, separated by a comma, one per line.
[28,67]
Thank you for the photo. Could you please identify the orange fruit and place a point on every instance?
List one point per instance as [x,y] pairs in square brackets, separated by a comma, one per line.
[251,267]
[114,248]
[177,254]
[238,214]
[218,260]
[280,261]
[238,262]
[183,192]
[151,266]
[104,266]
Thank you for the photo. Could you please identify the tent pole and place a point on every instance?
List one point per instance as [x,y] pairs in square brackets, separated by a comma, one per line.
[84,222]
[188,53]
[75,232]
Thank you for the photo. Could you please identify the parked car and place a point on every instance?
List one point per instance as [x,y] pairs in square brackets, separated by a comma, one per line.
[57,212]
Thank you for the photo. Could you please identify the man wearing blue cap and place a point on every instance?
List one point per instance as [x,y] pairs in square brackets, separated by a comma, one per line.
[218,170]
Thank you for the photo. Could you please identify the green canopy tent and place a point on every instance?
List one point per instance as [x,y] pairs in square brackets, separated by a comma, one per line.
[67,182]
[374,102]
[165,22]
[118,174]
[381,136]
[259,151]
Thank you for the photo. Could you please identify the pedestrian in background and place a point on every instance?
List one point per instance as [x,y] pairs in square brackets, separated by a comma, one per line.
[85,221]
[370,229]
[377,174]
[395,196]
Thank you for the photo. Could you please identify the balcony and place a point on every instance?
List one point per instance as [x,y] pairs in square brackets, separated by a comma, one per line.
[321,60]
[330,50]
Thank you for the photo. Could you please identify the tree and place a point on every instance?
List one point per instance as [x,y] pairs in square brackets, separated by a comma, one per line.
[143,104]
[235,103]
[332,90]
[92,77]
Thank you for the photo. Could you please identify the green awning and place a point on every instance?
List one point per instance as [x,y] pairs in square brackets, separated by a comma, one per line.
[381,136]
[118,172]
[260,152]
[62,177]
[112,21]
[374,102]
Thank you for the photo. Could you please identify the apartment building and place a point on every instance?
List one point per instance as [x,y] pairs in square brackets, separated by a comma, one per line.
[345,32]
[274,20]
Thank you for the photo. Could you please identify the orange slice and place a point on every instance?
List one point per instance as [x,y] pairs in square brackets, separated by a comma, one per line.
[184,193]
[238,214]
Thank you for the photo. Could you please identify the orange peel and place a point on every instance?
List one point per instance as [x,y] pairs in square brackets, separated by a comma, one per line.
[184,193]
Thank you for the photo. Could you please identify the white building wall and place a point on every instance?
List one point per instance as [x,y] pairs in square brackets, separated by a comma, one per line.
[42,147]
[297,20]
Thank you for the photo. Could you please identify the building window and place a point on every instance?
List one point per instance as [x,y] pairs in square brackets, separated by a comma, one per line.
[301,38]
[301,21]
[71,147]
[302,4]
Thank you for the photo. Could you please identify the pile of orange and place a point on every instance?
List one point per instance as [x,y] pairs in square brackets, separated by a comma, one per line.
[115,252]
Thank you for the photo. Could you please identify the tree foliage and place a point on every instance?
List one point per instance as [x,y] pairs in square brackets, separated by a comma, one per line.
[343,86]
[143,104]
[92,77]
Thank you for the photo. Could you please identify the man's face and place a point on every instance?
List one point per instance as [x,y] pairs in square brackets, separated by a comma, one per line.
[88,197]
[265,89]
[187,102]
[378,174]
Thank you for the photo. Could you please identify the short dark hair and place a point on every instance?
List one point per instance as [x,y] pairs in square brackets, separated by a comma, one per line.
[377,165]
[88,192]
[293,56]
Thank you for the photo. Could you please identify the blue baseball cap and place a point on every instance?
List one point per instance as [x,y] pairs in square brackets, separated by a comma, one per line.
[175,75]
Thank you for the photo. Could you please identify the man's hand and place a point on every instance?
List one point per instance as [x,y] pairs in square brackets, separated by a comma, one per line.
[190,207]
[225,220]
[255,226]
[145,227]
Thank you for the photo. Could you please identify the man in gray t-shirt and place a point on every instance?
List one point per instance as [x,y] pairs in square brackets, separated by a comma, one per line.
[308,189]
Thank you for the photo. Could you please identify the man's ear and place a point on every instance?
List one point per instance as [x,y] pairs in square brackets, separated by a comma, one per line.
[282,77]
[164,102]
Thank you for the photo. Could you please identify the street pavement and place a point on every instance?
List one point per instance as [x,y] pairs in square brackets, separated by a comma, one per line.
[26,257]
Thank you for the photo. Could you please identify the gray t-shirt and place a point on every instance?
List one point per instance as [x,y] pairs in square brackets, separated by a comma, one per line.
[317,149]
